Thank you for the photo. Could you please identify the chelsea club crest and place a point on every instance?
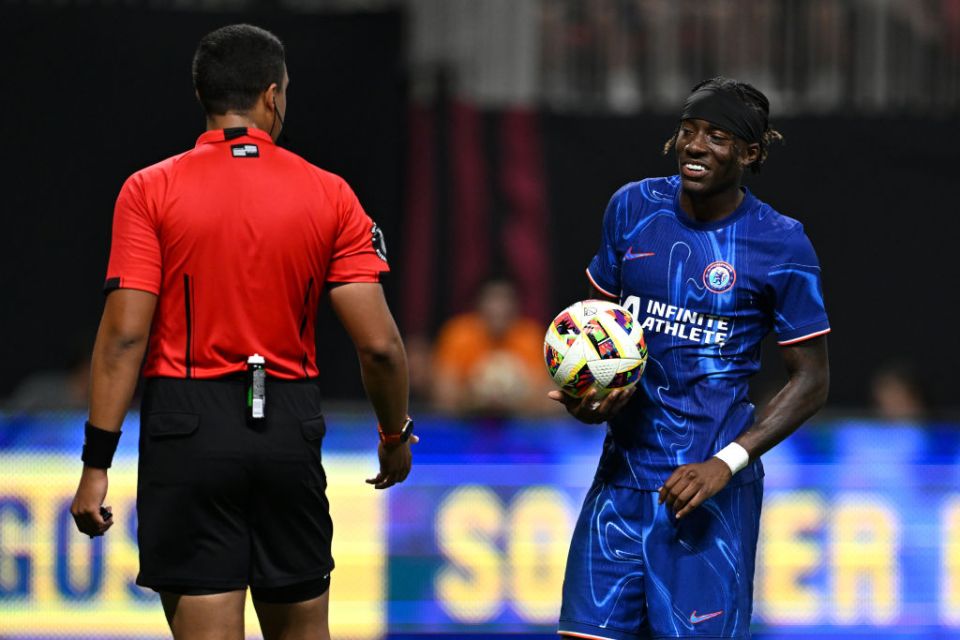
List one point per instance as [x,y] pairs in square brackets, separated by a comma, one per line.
[719,276]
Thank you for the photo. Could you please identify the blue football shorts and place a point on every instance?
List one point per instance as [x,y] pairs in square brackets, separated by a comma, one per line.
[634,571]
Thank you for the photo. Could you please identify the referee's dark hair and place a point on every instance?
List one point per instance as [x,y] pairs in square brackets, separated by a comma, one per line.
[235,64]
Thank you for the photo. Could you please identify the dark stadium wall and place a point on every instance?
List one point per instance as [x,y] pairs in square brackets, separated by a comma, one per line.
[476,209]
[94,94]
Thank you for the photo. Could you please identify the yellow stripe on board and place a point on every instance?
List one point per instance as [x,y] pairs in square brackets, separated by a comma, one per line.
[69,589]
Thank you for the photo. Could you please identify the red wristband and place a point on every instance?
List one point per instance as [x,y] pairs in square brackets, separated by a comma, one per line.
[399,437]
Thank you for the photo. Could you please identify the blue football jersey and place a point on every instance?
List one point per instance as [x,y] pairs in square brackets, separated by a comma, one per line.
[706,294]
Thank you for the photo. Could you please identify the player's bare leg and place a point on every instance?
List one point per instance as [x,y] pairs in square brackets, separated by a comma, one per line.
[217,616]
[305,620]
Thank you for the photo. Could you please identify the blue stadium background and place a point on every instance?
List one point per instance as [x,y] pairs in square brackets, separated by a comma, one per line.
[861,532]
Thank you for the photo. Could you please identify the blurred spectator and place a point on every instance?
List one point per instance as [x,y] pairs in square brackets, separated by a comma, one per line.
[54,390]
[490,361]
[867,463]
[898,394]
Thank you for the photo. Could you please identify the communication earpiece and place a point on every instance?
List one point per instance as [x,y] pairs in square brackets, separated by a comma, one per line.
[276,111]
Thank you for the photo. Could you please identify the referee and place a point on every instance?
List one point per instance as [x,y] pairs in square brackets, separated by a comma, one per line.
[218,261]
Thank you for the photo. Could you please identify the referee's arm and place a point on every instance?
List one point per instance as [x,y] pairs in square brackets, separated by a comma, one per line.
[363,311]
[115,368]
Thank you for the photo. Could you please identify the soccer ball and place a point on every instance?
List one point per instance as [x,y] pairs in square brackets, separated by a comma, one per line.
[594,344]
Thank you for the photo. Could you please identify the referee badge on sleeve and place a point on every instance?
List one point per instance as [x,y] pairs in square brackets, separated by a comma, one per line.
[379,244]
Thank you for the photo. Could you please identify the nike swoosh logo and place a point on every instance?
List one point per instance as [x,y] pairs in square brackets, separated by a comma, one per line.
[695,619]
[630,255]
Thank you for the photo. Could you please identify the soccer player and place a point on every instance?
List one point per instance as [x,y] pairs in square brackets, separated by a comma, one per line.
[218,261]
[666,541]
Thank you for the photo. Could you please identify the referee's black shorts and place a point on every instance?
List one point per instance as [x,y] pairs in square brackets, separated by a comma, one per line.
[223,505]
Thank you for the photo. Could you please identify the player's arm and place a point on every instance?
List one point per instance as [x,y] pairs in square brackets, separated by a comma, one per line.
[804,394]
[801,397]
[363,311]
[588,408]
[115,367]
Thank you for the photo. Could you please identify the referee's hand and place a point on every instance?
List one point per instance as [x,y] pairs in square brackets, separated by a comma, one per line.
[87,508]
[395,463]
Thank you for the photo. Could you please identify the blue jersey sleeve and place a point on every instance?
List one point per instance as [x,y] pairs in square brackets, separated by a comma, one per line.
[799,311]
[604,269]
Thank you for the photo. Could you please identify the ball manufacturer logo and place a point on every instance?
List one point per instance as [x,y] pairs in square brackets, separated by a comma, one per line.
[719,276]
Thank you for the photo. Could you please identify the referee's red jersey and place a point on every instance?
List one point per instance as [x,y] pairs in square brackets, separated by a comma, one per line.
[237,238]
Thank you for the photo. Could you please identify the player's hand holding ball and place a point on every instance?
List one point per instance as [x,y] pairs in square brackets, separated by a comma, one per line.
[595,353]
[592,409]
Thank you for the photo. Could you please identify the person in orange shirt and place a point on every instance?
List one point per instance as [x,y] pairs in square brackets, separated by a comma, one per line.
[490,361]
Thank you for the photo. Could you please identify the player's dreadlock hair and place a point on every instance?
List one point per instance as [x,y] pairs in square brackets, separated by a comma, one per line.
[750,96]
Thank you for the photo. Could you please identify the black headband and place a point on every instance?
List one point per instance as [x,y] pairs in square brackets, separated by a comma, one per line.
[726,111]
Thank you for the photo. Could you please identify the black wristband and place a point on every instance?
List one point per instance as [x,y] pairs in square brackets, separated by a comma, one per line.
[99,446]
